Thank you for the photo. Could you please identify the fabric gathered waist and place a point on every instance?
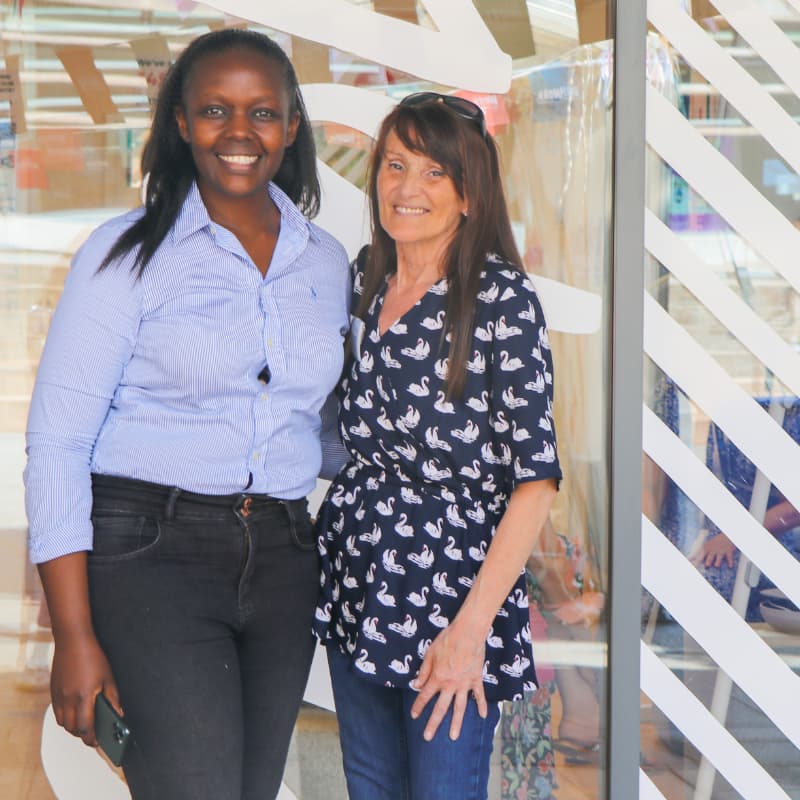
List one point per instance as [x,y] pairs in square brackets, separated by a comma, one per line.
[432,489]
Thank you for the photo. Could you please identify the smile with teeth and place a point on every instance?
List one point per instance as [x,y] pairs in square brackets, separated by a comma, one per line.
[239,159]
[409,210]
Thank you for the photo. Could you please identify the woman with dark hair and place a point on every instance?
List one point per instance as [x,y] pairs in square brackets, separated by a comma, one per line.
[447,414]
[175,431]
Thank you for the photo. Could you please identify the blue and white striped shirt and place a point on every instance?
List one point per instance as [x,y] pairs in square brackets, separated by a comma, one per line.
[157,378]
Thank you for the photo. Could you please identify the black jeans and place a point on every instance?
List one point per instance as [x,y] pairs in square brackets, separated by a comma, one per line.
[203,606]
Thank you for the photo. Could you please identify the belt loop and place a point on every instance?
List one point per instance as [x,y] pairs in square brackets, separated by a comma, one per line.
[169,510]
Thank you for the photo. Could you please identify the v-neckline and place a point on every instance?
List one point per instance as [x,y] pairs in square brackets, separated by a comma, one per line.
[382,295]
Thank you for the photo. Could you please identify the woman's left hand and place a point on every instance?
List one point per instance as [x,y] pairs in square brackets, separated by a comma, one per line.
[452,668]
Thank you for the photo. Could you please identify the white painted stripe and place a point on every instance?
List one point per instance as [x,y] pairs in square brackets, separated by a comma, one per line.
[724,635]
[343,209]
[567,309]
[753,431]
[720,183]
[724,304]
[740,769]
[795,4]
[446,55]
[647,789]
[713,499]
[762,33]
[362,109]
[745,92]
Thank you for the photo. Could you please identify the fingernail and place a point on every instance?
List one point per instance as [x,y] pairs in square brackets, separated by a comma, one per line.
[427,736]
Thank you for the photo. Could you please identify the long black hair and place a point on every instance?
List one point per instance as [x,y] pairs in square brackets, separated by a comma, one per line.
[168,162]
[471,162]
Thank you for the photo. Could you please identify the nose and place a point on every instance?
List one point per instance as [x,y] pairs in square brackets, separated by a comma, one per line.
[239,125]
[409,182]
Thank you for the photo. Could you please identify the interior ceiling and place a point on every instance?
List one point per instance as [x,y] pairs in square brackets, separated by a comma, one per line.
[107,26]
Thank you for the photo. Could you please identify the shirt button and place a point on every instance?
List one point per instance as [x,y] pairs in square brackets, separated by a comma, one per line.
[269,342]
[255,456]
[263,396]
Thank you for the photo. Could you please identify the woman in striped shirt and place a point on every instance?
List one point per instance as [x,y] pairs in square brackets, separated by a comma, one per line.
[175,432]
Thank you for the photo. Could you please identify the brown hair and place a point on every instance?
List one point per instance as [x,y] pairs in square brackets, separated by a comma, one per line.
[471,162]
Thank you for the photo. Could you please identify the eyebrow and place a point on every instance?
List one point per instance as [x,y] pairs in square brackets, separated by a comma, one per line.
[425,156]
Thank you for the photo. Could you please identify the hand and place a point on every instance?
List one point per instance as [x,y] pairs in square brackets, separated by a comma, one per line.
[80,672]
[453,667]
[715,550]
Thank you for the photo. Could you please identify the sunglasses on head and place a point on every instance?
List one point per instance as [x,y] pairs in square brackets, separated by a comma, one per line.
[464,108]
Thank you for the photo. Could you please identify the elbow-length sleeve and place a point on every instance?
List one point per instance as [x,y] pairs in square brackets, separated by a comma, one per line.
[522,385]
[90,341]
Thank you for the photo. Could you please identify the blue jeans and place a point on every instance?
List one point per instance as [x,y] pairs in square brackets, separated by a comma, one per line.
[384,754]
[203,606]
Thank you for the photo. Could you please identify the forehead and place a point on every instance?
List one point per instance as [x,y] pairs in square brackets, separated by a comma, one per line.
[394,144]
[236,65]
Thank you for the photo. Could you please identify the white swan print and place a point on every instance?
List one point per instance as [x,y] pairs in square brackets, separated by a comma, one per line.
[408,523]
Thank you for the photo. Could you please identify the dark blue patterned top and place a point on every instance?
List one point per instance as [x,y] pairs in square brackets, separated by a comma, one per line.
[405,526]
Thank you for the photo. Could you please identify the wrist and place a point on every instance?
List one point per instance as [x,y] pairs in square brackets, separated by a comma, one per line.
[73,634]
[471,626]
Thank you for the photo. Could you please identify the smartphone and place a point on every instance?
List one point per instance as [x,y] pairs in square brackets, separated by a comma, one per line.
[110,730]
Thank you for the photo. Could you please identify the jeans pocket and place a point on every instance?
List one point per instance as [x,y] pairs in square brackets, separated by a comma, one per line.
[122,537]
[301,528]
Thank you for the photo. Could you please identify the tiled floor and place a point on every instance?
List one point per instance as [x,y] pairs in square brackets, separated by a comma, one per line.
[314,771]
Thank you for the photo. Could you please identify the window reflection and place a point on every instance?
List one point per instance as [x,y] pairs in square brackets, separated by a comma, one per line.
[76,93]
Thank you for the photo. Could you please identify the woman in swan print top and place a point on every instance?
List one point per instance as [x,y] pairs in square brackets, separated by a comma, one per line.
[424,534]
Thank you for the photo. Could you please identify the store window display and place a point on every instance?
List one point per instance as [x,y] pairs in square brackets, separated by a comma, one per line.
[68,160]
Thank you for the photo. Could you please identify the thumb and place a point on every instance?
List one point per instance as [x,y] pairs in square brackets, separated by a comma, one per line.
[112,693]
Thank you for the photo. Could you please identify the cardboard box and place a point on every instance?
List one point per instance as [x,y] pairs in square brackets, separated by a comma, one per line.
[510,24]
[593,22]
[703,9]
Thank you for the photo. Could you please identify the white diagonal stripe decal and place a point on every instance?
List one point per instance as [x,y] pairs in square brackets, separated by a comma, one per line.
[752,21]
[755,433]
[343,209]
[361,109]
[721,184]
[724,304]
[713,499]
[732,80]
[740,769]
[722,633]
[461,53]
[647,789]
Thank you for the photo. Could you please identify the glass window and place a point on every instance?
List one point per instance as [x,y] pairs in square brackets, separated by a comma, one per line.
[76,92]
[722,336]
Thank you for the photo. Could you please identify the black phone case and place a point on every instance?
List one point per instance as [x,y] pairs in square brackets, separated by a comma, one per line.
[110,730]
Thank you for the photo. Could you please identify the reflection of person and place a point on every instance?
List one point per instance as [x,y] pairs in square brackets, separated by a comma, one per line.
[715,554]
[563,608]
[718,548]
[175,432]
[446,411]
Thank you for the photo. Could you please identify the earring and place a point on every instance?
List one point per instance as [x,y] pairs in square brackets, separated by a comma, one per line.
[464,214]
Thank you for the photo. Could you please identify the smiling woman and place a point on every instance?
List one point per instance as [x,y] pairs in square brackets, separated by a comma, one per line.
[194,336]
[238,118]
[417,686]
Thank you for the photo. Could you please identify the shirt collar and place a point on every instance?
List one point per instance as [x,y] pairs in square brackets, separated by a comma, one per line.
[193,215]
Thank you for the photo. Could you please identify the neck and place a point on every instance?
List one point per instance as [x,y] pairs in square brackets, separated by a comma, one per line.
[246,213]
[419,264]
